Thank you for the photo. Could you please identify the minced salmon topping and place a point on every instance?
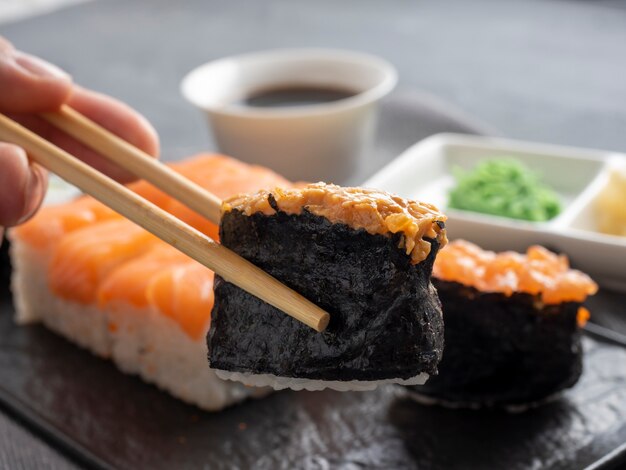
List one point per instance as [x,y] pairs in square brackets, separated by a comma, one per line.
[375,211]
[583,316]
[538,272]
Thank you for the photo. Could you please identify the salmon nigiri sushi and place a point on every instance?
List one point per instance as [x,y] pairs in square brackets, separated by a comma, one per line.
[111,287]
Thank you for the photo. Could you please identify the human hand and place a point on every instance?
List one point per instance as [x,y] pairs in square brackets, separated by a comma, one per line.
[29,85]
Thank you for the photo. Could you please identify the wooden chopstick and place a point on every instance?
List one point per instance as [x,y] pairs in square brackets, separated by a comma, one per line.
[165,226]
[136,162]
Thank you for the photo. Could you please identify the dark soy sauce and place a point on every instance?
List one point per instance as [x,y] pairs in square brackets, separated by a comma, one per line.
[289,96]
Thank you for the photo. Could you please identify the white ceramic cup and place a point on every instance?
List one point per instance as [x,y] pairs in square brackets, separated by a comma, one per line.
[309,142]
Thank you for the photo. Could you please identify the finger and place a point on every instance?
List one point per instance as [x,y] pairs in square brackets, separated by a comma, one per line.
[23,185]
[109,113]
[118,118]
[30,84]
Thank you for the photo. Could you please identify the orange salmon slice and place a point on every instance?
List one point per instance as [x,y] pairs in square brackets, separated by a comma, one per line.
[129,281]
[53,222]
[185,294]
[84,257]
[224,177]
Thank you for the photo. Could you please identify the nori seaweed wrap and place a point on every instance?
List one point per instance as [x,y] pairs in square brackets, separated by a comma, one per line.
[506,347]
[386,323]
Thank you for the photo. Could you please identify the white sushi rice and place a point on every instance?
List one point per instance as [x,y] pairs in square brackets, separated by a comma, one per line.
[83,324]
[140,341]
[153,346]
[294,383]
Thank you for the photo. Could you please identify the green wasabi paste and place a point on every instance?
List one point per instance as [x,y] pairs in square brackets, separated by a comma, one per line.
[504,187]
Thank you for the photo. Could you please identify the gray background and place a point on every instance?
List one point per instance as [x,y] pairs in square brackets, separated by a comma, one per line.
[545,70]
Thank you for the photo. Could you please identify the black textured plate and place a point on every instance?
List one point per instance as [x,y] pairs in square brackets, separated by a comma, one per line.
[105,418]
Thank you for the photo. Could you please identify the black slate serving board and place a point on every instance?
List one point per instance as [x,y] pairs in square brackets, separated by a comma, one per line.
[104,418]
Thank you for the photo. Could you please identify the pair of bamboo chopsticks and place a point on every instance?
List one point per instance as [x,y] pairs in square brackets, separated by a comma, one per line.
[165,226]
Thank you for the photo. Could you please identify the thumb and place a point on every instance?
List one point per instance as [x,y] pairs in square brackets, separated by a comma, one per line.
[30,84]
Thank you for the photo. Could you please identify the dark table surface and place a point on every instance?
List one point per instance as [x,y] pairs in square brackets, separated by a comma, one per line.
[542,70]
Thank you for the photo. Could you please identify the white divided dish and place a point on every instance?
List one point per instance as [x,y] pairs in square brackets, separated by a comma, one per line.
[424,172]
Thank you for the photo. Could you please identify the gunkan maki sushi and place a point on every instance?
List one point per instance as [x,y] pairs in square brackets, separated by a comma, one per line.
[513,327]
[362,255]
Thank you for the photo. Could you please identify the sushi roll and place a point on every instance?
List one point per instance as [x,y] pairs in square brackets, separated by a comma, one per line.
[109,286]
[513,327]
[362,255]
